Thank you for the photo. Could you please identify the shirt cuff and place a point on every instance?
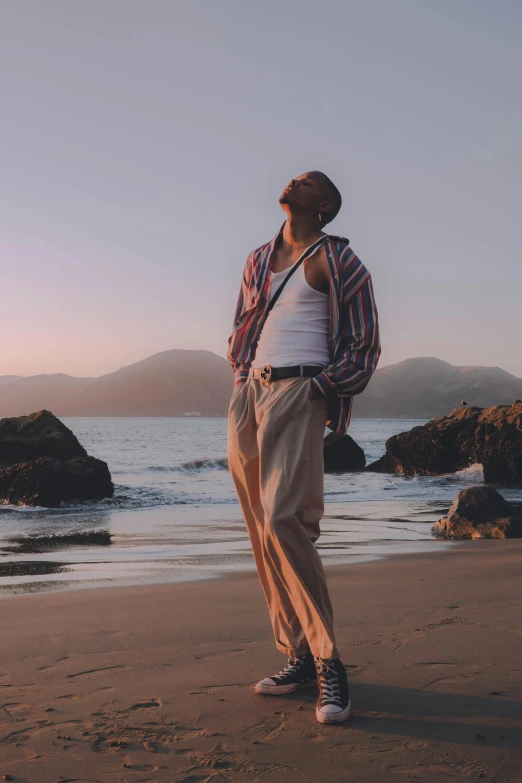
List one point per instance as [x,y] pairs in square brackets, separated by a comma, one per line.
[324,384]
[240,376]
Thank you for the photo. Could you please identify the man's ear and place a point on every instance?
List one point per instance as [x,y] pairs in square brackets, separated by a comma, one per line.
[325,206]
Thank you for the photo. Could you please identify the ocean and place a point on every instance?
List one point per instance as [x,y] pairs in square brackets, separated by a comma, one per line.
[175,517]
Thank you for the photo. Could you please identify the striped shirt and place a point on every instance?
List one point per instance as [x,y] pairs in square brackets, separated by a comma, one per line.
[353,335]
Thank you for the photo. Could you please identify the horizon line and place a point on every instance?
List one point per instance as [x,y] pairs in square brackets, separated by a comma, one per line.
[206,350]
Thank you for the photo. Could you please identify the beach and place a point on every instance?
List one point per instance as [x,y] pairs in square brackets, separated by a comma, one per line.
[155,682]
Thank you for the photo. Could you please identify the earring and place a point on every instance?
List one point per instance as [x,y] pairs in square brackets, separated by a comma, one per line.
[320,218]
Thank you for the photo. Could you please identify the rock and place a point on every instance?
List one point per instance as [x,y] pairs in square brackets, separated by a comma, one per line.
[499,444]
[43,464]
[480,512]
[342,454]
[41,434]
[489,436]
[49,482]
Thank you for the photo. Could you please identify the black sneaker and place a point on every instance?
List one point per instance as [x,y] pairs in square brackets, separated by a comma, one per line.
[333,702]
[298,672]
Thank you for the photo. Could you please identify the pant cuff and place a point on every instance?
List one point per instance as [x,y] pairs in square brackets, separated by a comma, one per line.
[292,650]
[317,652]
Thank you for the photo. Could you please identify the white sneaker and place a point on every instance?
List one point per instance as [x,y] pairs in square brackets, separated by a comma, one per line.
[333,701]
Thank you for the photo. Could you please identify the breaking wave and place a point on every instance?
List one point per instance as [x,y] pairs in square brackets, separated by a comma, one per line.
[474,474]
[125,498]
[190,466]
[206,463]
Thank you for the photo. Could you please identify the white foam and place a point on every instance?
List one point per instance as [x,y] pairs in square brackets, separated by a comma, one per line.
[474,473]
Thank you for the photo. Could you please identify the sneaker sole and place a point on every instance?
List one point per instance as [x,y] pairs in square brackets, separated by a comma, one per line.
[335,717]
[279,690]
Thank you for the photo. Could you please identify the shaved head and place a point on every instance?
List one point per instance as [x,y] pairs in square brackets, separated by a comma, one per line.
[332,194]
[312,193]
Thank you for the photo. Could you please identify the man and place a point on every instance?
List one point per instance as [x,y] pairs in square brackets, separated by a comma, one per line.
[296,371]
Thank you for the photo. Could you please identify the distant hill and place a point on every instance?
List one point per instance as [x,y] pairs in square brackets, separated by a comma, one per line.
[55,392]
[428,387]
[171,383]
[178,382]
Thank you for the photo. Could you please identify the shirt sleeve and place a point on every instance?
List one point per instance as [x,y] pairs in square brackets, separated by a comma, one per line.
[351,372]
[235,341]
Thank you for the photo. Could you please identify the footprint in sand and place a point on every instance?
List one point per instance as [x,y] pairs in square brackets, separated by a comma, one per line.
[435,664]
[140,767]
[15,710]
[210,690]
[97,671]
[221,758]
[369,643]
[267,728]
[418,632]
[218,654]
[79,780]
[146,705]
[52,665]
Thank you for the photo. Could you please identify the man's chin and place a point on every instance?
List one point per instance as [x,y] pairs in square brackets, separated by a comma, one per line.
[283,198]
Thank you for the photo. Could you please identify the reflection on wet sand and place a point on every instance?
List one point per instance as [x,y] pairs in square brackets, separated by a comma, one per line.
[55,542]
[34,568]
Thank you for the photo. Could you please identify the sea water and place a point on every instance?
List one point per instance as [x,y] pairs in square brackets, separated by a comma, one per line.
[175,516]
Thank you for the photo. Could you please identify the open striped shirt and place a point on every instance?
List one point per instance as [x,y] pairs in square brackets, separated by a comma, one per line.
[353,335]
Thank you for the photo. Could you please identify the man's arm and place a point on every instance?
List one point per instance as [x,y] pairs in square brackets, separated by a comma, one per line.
[235,341]
[350,374]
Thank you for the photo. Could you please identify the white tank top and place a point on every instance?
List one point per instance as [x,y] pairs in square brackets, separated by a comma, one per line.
[296,330]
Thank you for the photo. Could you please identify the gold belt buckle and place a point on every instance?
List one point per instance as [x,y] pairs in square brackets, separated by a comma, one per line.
[266,372]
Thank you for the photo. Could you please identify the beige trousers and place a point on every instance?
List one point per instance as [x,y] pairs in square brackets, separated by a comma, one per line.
[275,455]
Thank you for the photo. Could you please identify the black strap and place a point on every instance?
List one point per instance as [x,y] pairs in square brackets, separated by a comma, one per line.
[279,291]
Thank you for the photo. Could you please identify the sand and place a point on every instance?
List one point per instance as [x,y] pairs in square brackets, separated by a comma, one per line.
[154,683]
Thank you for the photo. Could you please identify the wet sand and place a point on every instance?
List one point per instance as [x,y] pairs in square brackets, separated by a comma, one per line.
[154,683]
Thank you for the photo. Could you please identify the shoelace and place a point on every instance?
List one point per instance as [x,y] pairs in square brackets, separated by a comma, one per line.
[291,667]
[328,682]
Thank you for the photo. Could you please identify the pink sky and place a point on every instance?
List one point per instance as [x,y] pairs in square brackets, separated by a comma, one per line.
[133,187]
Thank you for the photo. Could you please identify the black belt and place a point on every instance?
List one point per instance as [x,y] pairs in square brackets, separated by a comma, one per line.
[268,373]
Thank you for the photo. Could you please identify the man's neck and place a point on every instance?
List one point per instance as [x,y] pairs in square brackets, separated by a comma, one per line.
[300,231]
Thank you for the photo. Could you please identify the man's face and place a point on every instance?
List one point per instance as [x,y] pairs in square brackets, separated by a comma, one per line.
[306,194]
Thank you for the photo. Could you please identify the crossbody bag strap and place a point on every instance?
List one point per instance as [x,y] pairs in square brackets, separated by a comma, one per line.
[307,252]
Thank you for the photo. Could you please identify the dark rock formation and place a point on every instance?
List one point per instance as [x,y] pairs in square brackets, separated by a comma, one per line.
[490,436]
[43,464]
[41,434]
[342,454]
[49,482]
[480,512]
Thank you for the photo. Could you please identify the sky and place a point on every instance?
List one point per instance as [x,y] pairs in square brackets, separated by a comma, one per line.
[145,144]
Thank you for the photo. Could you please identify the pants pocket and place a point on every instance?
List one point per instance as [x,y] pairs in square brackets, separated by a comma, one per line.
[236,391]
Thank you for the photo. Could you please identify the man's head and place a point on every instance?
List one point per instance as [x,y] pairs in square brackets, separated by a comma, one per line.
[312,193]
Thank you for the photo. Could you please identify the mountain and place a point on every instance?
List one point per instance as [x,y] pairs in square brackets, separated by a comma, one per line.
[427,387]
[182,382]
[8,378]
[171,383]
[55,392]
